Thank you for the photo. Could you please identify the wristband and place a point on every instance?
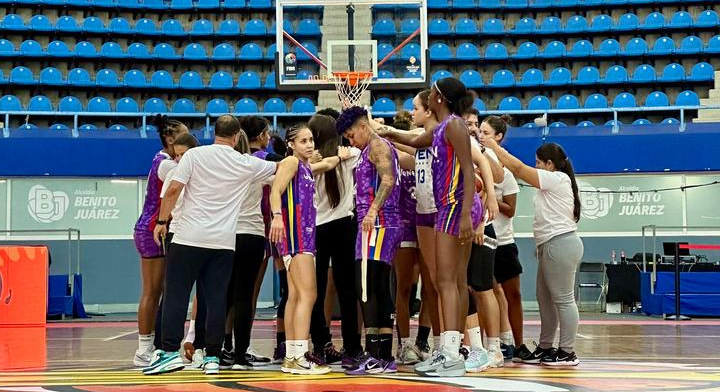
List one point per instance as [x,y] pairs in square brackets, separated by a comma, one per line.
[277,213]
[161,222]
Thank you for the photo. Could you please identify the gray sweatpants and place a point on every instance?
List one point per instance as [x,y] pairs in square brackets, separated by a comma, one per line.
[558,260]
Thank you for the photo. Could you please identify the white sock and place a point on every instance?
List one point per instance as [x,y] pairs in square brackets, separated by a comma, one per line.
[437,342]
[507,338]
[405,342]
[145,342]
[451,345]
[190,337]
[301,347]
[493,344]
[475,336]
[290,349]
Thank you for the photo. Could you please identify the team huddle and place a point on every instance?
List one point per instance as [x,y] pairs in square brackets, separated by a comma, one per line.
[430,198]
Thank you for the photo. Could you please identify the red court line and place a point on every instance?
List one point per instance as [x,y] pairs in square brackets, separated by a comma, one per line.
[703,247]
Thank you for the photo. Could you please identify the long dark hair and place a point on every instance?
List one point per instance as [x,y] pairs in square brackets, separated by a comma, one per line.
[327,142]
[167,127]
[554,153]
[459,98]
[253,126]
[499,124]
[187,140]
[290,135]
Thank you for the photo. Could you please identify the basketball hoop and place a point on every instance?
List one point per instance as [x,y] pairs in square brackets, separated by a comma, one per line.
[351,85]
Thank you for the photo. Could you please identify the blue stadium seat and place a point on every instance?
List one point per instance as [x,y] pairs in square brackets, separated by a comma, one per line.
[28,127]
[162,79]
[641,122]
[687,98]
[138,50]
[22,75]
[628,22]
[104,3]
[59,49]
[588,75]
[503,78]
[307,28]
[302,56]
[524,26]
[154,4]
[233,4]
[516,4]
[609,47]
[202,28]
[303,105]
[539,102]
[86,49]
[613,123]
[586,123]
[384,105]
[410,50]
[559,76]
[70,104]
[120,26]
[191,80]
[40,103]
[701,71]
[79,77]
[554,49]
[220,80]
[9,103]
[155,105]
[135,79]
[385,49]
[567,102]
[259,4]
[229,28]
[13,22]
[147,27]
[269,81]
[173,27]
[602,23]
[42,23]
[466,26]
[655,20]
[217,106]
[246,105]
[408,105]
[690,45]
[184,105]
[624,100]
[441,51]
[93,24]
[195,51]
[708,18]
[88,127]
[67,24]
[496,51]
[384,27]
[657,99]
[250,80]
[670,121]
[98,104]
[224,51]
[532,77]
[467,51]
[663,46]
[181,4]
[527,50]
[644,73]
[31,48]
[439,27]
[493,26]
[479,105]
[680,20]
[576,24]
[255,28]
[117,128]
[127,105]
[558,124]
[303,74]
[107,78]
[287,26]
[615,75]
[529,125]
[59,127]
[581,48]
[441,74]
[635,47]
[112,50]
[438,4]
[510,103]
[713,45]
[471,79]
[550,25]
[50,76]
[471,4]
[596,101]
[673,72]
[208,4]
[3,79]
[385,74]
[274,105]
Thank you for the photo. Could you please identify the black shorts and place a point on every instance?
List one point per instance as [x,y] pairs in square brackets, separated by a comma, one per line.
[482,262]
[507,263]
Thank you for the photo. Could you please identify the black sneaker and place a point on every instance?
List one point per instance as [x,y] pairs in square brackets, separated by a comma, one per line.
[242,364]
[279,354]
[521,353]
[560,358]
[424,348]
[508,351]
[227,358]
[539,354]
[256,359]
[464,352]
[330,354]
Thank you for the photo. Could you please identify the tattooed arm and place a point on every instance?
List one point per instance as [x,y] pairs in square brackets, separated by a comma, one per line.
[380,156]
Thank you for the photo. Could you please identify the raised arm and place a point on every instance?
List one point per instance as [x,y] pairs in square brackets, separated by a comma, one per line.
[516,167]
[411,139]
[381,156]
[497,170]
[487,176]
[457,136]
[287,168]
[329,163]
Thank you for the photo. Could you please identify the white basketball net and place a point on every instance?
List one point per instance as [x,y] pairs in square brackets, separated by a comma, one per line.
[350,86]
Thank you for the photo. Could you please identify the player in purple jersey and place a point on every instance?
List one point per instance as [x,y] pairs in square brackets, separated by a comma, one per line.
[293,229]
[377,178]
[152,255]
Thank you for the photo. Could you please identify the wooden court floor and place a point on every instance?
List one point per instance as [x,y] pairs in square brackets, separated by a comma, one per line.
[623,354]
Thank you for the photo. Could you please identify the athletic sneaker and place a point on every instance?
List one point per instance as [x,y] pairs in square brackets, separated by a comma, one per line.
[560,358]
[424,348]
[496,358]
[447,365]
[188,350]
[211,365]
[408,354]
[242,364]
[389,366]
[227,359]
[279,355]
[197,359]
[425,366]
[350,360]
[507,350]
[477,361]
[329,354]
[163,362]
[464,352]
[309,365]
[256,359]
[287,365]
[521,353]
[143,359]
[538,355]
[366,365]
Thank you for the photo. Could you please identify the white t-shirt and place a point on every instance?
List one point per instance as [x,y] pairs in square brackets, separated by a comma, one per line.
[503,224]
[217,179]
[167,177]
[250,220]
[554,203]
[325,212]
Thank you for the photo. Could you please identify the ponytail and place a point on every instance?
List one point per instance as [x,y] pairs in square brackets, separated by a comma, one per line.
[554,152]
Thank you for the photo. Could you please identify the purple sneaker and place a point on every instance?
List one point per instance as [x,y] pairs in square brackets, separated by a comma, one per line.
[389,366]
[366,365]
[279,354]
[350,360]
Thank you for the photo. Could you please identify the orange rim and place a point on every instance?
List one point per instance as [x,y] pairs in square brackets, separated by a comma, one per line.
[352,77]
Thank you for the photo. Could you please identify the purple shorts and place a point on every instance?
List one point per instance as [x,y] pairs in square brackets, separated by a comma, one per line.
[425,220]
[146,246]
[409,235]
[448,217]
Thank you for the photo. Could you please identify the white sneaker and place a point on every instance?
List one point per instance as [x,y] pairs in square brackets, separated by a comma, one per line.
[143,359]
[497,360]
[256,359]
[408,354]
[197,359]
[477,360]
